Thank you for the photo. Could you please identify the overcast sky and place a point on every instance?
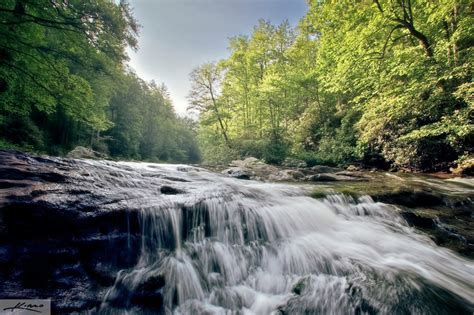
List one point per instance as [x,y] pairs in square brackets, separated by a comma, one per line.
[178,35]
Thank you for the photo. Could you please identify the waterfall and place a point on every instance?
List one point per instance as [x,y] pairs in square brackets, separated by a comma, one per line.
[227,246]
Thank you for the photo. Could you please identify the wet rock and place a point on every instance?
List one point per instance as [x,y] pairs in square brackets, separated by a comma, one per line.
[61,231]
[168,190]
[239,172]
[409,198]
[148,293]
[355,174]
[299,287]
[416,220]
[326,177]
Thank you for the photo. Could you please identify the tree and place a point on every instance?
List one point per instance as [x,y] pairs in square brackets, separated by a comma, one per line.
[204,94]
[377,81]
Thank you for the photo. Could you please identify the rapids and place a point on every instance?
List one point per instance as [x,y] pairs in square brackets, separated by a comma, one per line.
[228,246]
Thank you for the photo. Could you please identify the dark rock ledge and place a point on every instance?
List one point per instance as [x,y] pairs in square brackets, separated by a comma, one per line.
[62,236]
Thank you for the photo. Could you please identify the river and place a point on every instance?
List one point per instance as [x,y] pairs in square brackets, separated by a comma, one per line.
[210,244]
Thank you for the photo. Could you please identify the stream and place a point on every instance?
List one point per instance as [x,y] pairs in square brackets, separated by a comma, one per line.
[198,242]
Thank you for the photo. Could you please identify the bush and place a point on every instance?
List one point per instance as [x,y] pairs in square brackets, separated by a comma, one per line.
[22,132]
[251,147]
[276,150]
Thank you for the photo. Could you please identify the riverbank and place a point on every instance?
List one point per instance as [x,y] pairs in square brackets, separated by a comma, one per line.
[439,204]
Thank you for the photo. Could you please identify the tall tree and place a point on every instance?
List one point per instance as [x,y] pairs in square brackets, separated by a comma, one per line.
[204,94]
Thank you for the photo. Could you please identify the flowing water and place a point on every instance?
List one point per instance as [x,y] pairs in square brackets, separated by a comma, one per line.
[227,246]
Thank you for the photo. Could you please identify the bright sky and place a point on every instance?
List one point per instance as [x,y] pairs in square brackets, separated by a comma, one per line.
[179,35]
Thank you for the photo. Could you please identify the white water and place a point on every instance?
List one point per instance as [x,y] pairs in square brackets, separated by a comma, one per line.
[228,246]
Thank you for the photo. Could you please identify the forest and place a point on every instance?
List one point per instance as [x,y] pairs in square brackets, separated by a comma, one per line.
[382,83]
[64,82]
[386,84]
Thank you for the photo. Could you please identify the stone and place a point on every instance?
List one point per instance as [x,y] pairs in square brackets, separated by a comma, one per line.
[325,169]
[148,292]
[326,177]
[238,172]
[464,168]
[168,190]
[354,174]
[247,162]
[287,175]
[352,168]
[289,162]
[80,152]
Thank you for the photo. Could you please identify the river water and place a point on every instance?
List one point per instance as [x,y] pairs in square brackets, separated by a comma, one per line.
[228,246]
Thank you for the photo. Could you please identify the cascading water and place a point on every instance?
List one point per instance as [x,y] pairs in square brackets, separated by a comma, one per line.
[225,246]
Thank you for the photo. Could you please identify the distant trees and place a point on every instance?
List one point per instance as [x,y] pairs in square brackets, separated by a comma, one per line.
[63,82]
[383,82]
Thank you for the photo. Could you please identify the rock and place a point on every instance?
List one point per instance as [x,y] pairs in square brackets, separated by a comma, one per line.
[238,172]
[300,286]
[353,168]
[247,162]
[61,230]
[409,198]
[354,174]
[289,162]
[414,219]
[325,169]
[251,168]
[148,293]
[168,190]
[321,178]
[465,168]
[325,177]
[287,175]
[85,153]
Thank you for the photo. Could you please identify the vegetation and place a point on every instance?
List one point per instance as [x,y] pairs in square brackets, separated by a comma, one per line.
[379,82]
[384,83]
[63,83]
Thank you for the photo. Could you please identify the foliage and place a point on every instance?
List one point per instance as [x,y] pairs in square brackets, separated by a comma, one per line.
[382,82]
[63,83]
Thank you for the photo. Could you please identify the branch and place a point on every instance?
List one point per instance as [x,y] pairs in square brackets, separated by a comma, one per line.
[39,20]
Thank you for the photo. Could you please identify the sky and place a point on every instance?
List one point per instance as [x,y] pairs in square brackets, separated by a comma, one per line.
[179,35]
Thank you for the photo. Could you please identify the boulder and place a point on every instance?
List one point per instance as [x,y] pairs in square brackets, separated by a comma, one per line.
[251,168]
[289,162]
[85,153]
[325,169]
[238,172]
[326,177]
[353,168]
[247,162]
[287,176]
[354,174]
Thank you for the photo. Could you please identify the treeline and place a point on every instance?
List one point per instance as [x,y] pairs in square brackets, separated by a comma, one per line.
[63,82]
[385,83]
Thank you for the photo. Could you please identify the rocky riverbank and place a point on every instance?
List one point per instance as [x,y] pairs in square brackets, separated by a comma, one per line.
[441,205]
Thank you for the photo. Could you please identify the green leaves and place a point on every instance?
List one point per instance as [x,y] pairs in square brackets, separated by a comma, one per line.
[390,79]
